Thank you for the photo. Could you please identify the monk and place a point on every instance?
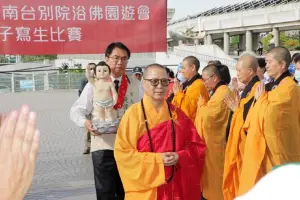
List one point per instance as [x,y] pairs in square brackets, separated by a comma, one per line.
[158,151]
[186,96]
[247,74]
[211,122]
[273,128]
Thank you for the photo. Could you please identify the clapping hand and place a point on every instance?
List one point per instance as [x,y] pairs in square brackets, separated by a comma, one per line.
[176,87]
[232,103]
[260,90]
[235,84]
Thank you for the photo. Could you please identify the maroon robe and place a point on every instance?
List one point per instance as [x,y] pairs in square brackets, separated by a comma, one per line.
[185,184]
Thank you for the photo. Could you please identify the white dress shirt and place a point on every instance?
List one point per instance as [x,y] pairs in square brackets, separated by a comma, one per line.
[141,90]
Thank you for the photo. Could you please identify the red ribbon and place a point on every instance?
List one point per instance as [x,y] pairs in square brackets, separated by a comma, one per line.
[122,93]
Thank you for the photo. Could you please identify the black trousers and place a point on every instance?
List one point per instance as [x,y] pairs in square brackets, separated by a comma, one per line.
[260,51]
[107,180]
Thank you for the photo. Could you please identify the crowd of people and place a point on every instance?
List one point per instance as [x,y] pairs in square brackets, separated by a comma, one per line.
[192,136]
[234,129]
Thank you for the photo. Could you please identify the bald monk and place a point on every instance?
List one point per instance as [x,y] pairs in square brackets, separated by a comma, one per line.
[186,96]
[211,121]
[158,151]
[246,72]
[273,124]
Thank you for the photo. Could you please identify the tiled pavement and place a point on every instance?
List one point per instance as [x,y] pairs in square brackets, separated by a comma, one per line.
[62,171]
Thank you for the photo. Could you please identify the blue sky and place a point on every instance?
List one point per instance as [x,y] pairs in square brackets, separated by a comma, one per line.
[185,7]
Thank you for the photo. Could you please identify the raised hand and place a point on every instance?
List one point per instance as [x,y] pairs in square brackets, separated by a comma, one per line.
[231,102]
[235,84]
[19,142]
[260,90]
[176,87]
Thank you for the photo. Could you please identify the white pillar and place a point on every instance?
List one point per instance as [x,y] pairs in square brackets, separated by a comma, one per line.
[196,41]
[249,41]
[12,82]
[276,34]
[226,43]
[242,42]
[209,39]
[255,40]
[180,42]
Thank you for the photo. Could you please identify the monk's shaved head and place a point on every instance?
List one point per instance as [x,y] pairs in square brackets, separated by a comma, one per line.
[246,68]
[281,54]
[192,60]
[210,69]
[248,61]
[220,71]
[151,67]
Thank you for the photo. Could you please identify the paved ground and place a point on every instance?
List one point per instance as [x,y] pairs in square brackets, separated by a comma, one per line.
[62,171]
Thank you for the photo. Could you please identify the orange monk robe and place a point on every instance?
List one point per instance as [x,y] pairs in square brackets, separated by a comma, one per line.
[273,133]
[236,142]
[142,172]
[187,100]
[211,123]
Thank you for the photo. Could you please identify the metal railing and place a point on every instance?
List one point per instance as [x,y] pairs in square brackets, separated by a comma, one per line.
[37,81]
[203,58]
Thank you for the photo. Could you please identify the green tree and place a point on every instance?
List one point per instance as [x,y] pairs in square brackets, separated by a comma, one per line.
[3,59]
[289,42]
[38,58]
[234,41]
[266,41]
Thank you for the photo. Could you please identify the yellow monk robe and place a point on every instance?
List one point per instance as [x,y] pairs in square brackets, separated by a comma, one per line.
[211,123]
[236,142]
[273,132]
[187,100]
[142,172]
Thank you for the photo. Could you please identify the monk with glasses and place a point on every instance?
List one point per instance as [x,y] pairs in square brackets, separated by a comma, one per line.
[158,151]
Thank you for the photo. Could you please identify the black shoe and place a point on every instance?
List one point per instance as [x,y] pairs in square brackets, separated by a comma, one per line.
[86,151]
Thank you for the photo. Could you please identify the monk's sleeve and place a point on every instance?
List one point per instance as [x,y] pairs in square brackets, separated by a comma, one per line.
[178,99]
[204,93]
[214,111]
[194,149]
[138,170]
[188,102]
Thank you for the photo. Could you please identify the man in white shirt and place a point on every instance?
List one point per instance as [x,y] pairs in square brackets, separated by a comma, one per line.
[137,73]
[107,181]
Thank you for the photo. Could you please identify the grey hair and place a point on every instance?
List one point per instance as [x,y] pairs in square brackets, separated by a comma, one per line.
[248,53]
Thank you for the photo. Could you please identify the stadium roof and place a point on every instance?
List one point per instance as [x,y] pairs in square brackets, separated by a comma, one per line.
[249,5]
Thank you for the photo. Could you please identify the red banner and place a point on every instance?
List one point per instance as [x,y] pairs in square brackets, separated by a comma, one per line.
[34,27]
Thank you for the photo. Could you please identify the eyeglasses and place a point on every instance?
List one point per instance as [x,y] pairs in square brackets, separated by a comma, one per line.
[204,80]
[155,82]
[117,58]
